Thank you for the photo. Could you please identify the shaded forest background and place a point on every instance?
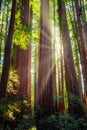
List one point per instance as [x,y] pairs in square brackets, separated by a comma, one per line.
[43,64]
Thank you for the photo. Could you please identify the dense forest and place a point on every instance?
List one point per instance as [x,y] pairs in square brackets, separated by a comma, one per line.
[43,64]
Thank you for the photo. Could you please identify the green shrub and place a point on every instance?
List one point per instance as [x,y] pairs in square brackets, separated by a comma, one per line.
[76,106]
[26,123]
[53,122]
[13,83]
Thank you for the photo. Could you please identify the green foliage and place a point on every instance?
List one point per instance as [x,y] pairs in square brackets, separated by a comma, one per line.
[67,122]
[2,107]
[0,71]
[26,123]
[14,110]
[22,36]
[12,89]
[36,21]
[53,122]
[34,4]
[13,83]
[47,123]
[77,107]
[15,106]
[21,33]
[74,105]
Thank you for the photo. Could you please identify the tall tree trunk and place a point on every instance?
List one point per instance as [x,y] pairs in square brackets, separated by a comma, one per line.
[45,60]
[23,60]
[36,80]
[7,54]
[59,85]
[70,74]
[82,40]
[61,92]
[77,50]
[54,64]
[71,80]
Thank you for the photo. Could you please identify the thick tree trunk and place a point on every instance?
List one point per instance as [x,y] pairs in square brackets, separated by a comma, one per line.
[70,74]
[71,80]
[7,54]
[77,50]
[23,60]
[82,40]
[45,97]
[54,65]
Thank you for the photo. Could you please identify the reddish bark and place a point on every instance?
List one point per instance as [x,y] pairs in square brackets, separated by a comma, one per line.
[83,42]
[7,54]
[23,60]
[45,98]
[70,74]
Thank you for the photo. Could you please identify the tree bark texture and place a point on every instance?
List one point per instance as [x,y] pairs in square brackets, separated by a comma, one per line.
[23,59]
[7,54]
[70,74]
[45,95]
[82,41]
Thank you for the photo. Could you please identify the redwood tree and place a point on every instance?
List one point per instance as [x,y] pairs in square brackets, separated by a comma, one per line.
[23,57]
[45,96]
[82,41]
[70,74]
[71,80]
[7,53]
